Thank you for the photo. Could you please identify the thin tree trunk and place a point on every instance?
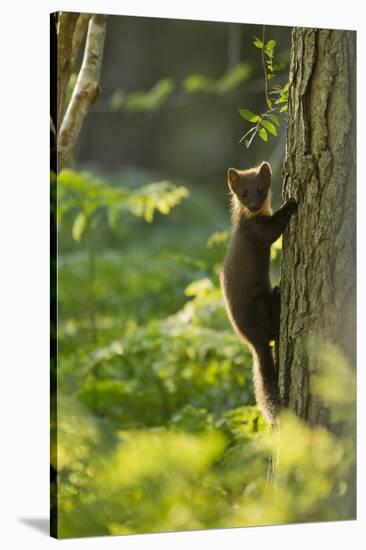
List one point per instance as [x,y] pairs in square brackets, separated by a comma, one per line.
[65,32]
[79,33]
[318,273]
[86,89]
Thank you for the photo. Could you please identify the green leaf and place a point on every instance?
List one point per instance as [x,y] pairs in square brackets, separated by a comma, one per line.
[258,43]
[279,66]
[196,82]
[233,78]
[218,237]
[152,99]
[274,119]
[158,196]
[270,45]
[269,103]
[269,64]
[79,225]
[269,126]
[284,108]
[263,134]
[248,115]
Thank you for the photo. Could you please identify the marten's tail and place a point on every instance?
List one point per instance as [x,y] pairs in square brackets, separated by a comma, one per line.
[265,377]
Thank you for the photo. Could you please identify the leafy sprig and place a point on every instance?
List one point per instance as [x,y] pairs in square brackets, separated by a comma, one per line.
[86,194]
[276,98]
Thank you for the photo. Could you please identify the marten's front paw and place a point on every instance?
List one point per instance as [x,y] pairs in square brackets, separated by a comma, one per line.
[292,205]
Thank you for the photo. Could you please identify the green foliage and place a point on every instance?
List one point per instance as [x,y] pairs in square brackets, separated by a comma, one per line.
[153,197]
[143,101]
[276,249]
[263,134]
[157,369]
[248,115]
[269,127]
[268,50]
[230,80]
[276,98]
[218,237]
[86,194]
[157,424]
[200,471]
[197,82]
[280,97]
[83,192]
[161,92]
[332,367]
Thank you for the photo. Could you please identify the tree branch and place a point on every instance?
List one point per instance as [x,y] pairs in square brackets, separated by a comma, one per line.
[65,32]
[86,89]
[79,33]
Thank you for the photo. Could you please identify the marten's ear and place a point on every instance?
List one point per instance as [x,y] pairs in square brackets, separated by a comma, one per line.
[233,179]
[266,172]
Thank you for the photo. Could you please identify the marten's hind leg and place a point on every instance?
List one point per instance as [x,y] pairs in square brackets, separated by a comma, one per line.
[261,330]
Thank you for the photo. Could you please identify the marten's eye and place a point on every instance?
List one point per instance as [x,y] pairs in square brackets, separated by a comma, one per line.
[260,191]
[244,194]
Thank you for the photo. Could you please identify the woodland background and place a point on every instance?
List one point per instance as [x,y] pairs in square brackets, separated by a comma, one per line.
[157,426]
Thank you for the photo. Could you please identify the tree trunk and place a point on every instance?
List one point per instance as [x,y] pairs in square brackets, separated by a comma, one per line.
[318,272]
[66,27]
[87,86]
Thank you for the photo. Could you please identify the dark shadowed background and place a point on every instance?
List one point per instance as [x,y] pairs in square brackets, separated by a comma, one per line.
[192,136]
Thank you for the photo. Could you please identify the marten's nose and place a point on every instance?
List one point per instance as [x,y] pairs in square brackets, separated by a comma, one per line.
[253,206]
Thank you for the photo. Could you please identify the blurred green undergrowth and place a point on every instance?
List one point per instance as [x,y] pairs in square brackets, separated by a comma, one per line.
[157,425]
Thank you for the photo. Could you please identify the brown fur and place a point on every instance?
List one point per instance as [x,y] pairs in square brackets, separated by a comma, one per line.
[251,304]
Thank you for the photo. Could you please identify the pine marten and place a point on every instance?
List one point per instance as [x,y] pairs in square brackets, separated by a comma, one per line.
[253,307]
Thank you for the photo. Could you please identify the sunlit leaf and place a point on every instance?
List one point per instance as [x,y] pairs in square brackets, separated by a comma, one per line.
[198,83]
[263,134]
[218,237]
[229,81]
[258,43]
[79,225]
[270,46]
[149,100]
[279,66]
[248,115]
[269,126]
[274,119]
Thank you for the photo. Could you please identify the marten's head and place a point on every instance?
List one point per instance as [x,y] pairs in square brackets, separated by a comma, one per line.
[252,188]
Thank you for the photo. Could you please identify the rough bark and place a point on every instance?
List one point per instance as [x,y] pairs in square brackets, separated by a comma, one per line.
[86,88]
[318,272]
